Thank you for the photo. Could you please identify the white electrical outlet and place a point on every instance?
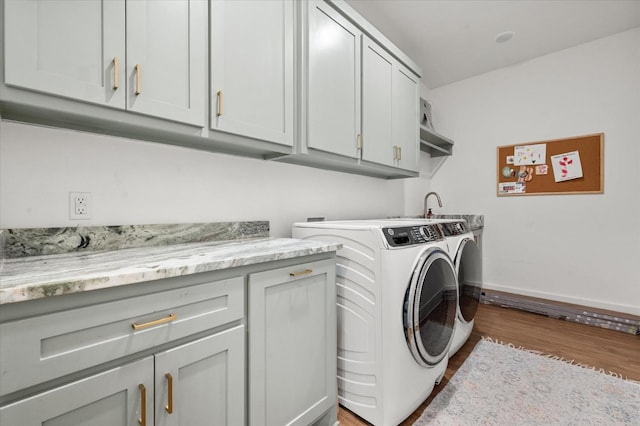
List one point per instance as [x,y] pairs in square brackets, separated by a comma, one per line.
[79,205]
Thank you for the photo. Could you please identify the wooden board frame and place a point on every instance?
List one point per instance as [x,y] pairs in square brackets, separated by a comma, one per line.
[591,150]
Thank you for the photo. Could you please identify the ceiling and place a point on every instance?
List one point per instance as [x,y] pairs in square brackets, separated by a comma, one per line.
[456,39]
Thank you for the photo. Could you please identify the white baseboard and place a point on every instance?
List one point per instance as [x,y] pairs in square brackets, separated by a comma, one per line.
[627,309]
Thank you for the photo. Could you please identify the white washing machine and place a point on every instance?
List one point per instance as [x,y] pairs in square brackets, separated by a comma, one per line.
[467,258]
[396,306]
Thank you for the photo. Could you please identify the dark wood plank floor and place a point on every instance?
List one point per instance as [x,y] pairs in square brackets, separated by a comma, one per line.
[610,350]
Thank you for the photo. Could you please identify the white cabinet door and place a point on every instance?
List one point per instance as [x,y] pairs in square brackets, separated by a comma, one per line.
[67,48]
[292,344]
[76,49]
[206,381]
[166,66]
[406,118]
[377,85]
[252,67]
[333,82]
[112,398]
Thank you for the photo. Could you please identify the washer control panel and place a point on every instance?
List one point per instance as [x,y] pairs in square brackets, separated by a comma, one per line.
[453,228]
[411,235]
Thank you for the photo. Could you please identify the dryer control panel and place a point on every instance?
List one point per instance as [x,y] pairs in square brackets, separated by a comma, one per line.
[453,228]
[410,235]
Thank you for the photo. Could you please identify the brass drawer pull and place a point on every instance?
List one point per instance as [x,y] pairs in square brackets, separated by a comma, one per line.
[169,406]
[300,273]
[219,112]
[138,89]
[143,406]
[170,318]
[115,73]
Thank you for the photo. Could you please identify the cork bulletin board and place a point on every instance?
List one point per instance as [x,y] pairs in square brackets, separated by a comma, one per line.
[561,166]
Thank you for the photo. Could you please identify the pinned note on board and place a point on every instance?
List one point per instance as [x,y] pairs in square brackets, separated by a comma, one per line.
[530,155]
[566,166]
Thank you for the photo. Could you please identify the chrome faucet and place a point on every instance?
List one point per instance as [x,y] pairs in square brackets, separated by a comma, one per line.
[427,212]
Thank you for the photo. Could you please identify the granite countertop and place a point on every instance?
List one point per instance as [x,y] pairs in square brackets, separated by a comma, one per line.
[35,277]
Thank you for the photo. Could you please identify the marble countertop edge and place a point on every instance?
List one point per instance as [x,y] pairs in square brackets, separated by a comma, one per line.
[44,276]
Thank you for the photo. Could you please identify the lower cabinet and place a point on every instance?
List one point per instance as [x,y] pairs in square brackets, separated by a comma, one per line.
[202,383]
[254,345]
[199,383]
[292,344]
[112,398]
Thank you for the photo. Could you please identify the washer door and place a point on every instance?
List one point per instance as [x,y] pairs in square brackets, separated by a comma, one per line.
[469,271]
[430,307]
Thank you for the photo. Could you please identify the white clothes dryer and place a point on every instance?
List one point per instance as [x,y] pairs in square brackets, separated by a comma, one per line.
[396,306]
[467,257]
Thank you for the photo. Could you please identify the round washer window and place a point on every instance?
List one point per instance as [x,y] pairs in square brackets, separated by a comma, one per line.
[430,308]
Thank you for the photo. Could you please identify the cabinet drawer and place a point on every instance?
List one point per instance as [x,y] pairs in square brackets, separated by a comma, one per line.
[38,349]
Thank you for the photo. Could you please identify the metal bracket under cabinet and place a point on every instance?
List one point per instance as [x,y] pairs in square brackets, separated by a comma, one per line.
[434,143]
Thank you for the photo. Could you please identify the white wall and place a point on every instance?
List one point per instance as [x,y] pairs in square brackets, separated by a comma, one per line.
[581,249]
[135,182]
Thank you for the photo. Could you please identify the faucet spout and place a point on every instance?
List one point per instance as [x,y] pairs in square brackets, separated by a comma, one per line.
[427,211]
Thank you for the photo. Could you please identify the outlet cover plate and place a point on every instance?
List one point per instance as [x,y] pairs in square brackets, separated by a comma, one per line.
[79,205]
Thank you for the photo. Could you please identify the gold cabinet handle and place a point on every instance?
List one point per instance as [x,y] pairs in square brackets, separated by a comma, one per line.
[397,153]
[169,406]
[300,273]
[219,112]
[170,318]
[143,406]
[359,140]
[138,89]
[115,73]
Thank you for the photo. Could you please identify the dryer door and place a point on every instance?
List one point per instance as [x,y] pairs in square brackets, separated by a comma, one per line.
[430,307]
[469,271]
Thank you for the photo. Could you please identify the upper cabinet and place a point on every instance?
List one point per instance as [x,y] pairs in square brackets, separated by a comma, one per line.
[71,49]
[112,53]
[390,109]
[377,105]
[305,82]
[252,69]
[333,82]
[166,70]
[359,102]
[406,110]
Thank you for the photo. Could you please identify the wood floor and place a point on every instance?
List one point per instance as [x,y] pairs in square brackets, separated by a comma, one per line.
[610,350]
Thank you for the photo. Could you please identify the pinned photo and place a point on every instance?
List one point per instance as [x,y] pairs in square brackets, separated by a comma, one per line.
[525,174]
[542,169]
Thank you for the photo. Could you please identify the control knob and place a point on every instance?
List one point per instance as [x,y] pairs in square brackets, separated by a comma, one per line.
[424,230]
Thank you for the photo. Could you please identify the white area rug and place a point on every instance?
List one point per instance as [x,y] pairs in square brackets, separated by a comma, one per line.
[500,384]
